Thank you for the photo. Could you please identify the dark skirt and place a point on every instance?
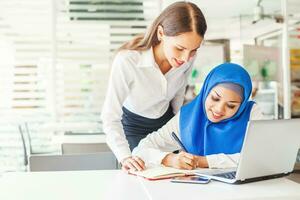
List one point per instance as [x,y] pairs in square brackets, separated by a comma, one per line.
[137,127]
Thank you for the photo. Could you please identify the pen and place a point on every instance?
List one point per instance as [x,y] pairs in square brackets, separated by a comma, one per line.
[178,141]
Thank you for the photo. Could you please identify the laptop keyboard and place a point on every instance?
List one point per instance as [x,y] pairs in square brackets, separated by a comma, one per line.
[227,175]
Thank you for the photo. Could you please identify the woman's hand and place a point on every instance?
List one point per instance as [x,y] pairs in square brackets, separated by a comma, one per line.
[181,160]
[133,163]
[185,160]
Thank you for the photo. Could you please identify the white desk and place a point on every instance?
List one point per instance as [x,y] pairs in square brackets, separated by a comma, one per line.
[115,185]
[275,189]
[76,185]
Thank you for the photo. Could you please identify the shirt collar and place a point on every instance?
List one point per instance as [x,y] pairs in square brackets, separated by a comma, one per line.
[147,58]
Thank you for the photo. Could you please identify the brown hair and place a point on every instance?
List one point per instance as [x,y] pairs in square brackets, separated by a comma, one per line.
[177,18]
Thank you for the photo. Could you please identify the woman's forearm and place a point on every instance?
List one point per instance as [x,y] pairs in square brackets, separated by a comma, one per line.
[201,162]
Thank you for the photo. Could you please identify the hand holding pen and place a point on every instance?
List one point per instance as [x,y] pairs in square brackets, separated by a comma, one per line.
[183,160]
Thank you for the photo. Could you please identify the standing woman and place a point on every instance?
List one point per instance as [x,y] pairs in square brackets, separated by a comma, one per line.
[148,79]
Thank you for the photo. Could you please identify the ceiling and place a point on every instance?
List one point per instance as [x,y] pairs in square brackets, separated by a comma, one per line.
[233,18]
[234,8]
[216,9]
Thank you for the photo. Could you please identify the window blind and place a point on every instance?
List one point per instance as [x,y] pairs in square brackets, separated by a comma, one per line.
[56,63]
[88,33]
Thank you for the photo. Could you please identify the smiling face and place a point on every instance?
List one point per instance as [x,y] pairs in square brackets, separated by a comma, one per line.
[180,49]
[221,103]
[177,50]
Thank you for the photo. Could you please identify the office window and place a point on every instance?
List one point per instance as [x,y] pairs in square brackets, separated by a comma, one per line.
[56,57]
[88,33]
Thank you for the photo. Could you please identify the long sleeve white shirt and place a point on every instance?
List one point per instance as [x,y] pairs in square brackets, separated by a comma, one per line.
[158,144]
[137,83]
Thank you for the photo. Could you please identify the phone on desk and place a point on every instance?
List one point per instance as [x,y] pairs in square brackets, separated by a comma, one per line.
[190,179]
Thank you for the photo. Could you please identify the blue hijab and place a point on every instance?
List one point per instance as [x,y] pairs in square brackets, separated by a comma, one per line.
[202,137]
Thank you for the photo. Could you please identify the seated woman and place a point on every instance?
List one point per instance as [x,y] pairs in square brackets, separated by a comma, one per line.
[211,127]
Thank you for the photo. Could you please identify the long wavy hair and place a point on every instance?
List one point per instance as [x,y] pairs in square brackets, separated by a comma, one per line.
[179,17]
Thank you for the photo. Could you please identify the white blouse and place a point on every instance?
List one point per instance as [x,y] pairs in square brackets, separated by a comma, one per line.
[137,83]
[157,145]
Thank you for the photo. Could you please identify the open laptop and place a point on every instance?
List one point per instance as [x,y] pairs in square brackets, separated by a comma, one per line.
[269,150]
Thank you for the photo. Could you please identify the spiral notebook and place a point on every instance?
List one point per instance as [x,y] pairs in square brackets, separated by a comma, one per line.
[161,172]
[157,173]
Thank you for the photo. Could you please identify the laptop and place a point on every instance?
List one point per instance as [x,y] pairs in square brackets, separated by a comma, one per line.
[269,150]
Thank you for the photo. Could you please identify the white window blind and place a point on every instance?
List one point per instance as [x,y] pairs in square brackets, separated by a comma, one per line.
[55,66]
[88,33]
[24,29]
[24,90]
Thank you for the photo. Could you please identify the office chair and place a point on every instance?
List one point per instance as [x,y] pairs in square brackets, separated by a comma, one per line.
[75,148]
[72,162]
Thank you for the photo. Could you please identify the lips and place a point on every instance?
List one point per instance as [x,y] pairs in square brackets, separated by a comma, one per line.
[216,116]
[178,62]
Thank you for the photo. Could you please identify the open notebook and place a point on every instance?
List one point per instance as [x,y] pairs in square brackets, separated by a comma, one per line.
[161,172]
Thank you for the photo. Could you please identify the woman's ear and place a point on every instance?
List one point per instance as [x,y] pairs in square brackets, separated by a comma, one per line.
[160,32]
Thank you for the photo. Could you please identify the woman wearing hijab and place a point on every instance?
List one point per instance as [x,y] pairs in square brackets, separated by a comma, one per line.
[211,127]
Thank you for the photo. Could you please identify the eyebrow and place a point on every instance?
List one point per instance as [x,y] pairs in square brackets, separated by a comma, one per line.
[186,48]
[228,101]
[234,101]
[217,93]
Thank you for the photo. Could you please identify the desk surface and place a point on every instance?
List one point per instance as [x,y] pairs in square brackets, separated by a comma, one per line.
[281,188]
[115,184]
[73,185]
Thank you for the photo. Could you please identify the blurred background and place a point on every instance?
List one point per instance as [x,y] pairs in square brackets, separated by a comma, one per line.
[56,56]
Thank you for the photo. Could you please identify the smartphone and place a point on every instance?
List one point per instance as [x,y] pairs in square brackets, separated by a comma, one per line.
[191,179]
